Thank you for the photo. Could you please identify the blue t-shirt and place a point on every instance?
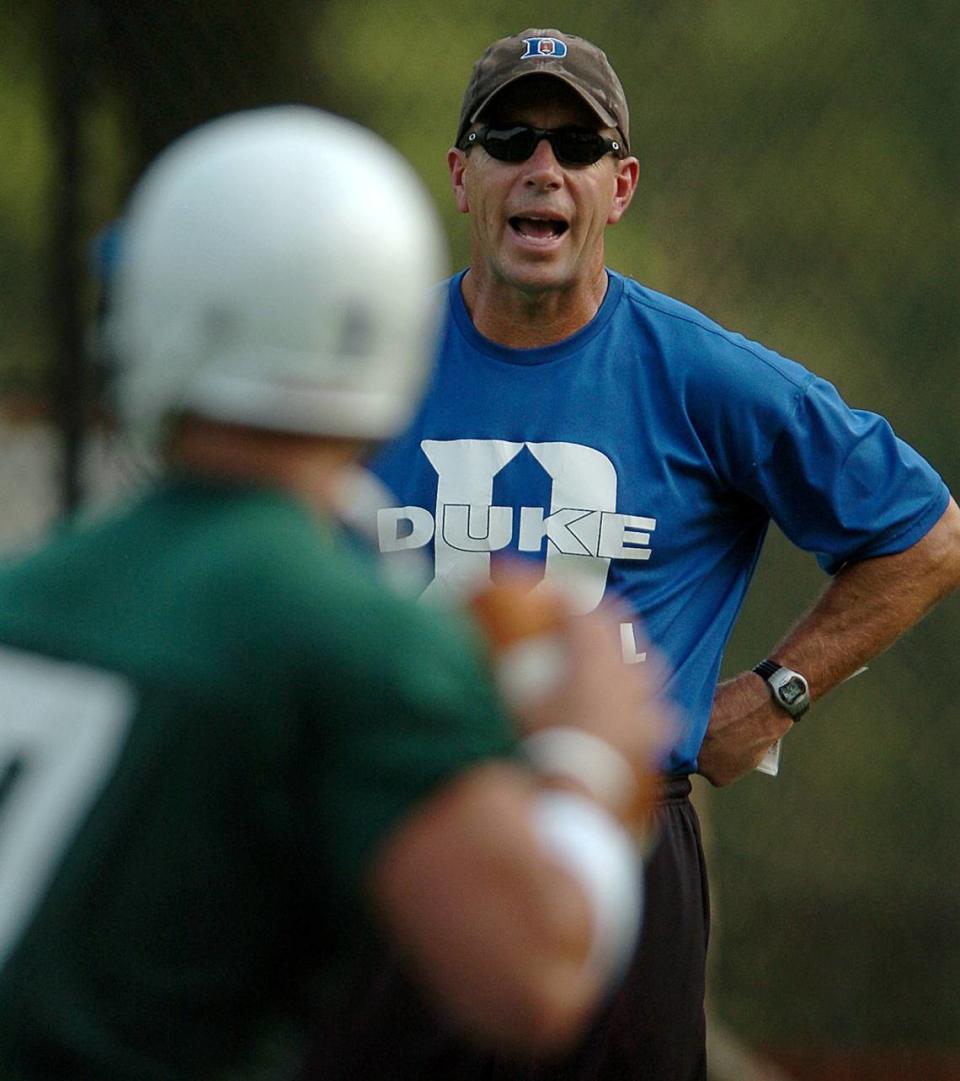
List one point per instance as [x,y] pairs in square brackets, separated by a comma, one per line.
[644,456]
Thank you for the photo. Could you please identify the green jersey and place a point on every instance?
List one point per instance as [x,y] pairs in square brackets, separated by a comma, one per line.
[211,713]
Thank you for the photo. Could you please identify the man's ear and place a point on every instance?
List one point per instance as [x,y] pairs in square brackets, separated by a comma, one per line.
[457,163]
[625,184]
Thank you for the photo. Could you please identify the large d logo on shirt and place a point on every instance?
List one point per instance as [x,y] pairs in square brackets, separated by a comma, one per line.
[582,529]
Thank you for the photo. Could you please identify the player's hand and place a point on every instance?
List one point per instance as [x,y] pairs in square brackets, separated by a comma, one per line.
[744,725]
[620,703]
[586,684]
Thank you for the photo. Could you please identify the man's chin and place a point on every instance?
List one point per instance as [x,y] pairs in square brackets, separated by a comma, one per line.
[536,279]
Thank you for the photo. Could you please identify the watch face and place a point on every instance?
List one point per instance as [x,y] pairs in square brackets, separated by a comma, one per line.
[792,690]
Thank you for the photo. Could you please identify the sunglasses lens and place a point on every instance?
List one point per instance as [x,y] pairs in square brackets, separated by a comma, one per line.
[510,144]
[571,145]
[578,147]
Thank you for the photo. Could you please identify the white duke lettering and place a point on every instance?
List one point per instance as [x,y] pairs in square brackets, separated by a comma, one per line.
[582,529]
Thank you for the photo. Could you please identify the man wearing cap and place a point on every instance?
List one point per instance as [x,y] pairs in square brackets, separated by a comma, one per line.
[636,448]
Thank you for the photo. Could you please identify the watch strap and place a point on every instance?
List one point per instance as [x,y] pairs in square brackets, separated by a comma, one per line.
[766,668]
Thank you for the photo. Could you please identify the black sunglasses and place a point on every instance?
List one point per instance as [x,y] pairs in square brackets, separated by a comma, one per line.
[571,146]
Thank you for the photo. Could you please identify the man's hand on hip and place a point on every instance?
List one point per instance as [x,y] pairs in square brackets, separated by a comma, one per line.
[744,724]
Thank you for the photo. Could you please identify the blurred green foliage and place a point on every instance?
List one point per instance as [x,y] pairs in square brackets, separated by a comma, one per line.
[800,177]
[24,183]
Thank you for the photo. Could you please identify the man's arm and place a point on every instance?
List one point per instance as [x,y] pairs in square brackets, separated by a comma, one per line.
[514,890]
[498,932]
[863,610]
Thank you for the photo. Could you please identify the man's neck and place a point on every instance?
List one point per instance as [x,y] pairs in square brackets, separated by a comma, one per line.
[311,468]
[523,319]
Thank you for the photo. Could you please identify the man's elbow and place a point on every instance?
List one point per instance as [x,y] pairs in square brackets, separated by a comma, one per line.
[941,549]
[524,1015]
[556,1014]
[951,523]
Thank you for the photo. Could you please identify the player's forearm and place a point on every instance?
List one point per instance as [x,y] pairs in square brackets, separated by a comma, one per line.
[517,888]
[501,932]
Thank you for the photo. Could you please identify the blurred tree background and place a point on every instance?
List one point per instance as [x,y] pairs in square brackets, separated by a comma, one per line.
[800,178]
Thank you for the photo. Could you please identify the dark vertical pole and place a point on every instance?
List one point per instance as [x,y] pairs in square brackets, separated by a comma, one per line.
[70,30]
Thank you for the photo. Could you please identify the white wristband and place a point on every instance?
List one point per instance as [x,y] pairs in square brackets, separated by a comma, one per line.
[595,764]
[599,854]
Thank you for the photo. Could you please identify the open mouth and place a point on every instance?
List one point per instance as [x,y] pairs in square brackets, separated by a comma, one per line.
[538,228]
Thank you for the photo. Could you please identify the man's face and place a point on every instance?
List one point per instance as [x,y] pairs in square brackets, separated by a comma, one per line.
[537,225]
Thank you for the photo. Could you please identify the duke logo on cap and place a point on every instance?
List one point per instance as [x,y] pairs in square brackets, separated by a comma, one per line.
[544,47]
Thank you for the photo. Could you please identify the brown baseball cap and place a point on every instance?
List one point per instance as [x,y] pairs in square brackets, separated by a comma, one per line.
[575,61]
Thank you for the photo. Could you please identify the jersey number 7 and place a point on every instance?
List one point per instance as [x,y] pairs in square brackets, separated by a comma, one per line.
[61,730]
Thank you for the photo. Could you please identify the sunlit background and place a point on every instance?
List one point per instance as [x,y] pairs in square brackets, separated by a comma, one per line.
[800,184]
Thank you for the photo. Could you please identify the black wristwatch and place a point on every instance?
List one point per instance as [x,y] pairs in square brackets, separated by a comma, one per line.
[789,689]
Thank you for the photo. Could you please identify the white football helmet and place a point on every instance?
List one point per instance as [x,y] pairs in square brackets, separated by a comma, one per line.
[276,271]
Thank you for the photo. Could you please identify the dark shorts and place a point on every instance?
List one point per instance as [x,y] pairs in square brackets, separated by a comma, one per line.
[652,1029]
